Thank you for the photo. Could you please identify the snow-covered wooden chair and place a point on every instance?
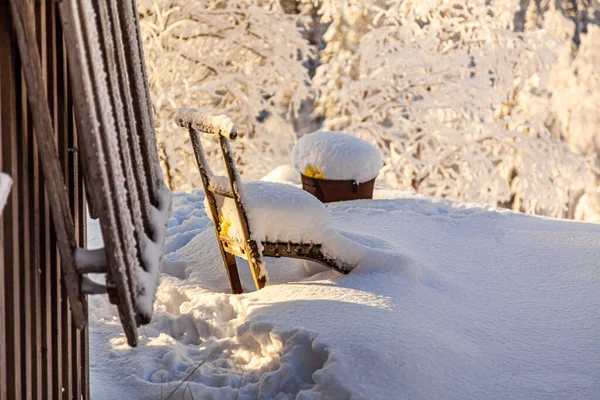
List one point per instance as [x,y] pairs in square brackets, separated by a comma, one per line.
[118,154]
[256,219]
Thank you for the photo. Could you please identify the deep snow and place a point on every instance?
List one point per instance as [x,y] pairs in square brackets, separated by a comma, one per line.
[504,305]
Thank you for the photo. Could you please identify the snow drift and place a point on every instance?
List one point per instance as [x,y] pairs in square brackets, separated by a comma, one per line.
[505,306]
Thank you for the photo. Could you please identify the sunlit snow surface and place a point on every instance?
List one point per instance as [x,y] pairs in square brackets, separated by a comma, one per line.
[504,306]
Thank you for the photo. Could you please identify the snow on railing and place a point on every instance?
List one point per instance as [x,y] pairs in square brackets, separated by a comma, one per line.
[154,248]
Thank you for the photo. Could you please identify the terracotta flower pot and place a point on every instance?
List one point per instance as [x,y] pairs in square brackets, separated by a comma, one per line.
[329,190]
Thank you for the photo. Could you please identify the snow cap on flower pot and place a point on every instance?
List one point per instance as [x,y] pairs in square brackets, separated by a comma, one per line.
[336,166]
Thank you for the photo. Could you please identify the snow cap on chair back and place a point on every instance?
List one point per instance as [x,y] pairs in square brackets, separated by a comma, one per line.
[205,121]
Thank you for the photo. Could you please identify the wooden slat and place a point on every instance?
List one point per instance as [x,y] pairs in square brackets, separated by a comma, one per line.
[74,199]
[60,369]
[63,142]
[221,192]
[234,248]
[37,224]
[24,151]
[138,81]
[46,246]
[80,217]
[304,251]
[58,316]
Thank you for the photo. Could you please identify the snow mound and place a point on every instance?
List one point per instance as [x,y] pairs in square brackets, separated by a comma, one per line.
[285,173]
[337,156]
[5,184]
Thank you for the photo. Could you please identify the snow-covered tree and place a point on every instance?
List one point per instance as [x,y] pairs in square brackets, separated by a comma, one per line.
[243,58]
[437,88]
[491,101]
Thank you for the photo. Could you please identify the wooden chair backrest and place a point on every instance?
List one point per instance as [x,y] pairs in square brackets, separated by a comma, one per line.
[188,118]
[197,121]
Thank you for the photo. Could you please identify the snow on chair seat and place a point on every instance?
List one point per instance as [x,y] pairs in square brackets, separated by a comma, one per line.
[275,211]
[257,219]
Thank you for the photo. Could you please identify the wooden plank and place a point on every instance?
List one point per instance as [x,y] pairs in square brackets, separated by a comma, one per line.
[304,251]
[220,192]
[24,154]
[76,207]
[57,289]
[38,257]
[22,19]
[138,81]
[234,248]
[57,332]
[63,136]
[67,348]
[38,215]
[46,246]
[85,355]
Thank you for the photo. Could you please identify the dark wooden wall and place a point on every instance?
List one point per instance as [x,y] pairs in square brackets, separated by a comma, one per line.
[41,355]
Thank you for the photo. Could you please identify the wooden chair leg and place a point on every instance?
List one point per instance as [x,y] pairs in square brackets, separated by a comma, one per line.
[232,271]
[232,274]
[255,259]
